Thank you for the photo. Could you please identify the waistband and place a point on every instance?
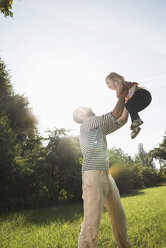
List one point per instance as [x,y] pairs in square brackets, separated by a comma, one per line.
[99,172]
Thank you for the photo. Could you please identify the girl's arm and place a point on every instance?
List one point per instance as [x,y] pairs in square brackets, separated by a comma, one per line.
[119,88]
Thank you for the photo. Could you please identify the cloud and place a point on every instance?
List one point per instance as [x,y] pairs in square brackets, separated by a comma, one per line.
[151,81]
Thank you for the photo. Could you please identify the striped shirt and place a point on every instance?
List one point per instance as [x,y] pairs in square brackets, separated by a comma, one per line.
[93,141]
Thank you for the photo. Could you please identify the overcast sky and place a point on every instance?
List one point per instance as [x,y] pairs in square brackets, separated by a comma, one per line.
[60,51]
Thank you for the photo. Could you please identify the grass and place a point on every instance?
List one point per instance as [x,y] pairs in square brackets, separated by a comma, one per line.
[59,227]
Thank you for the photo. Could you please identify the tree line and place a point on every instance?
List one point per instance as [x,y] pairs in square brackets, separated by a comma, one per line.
[6,7]
[33,174]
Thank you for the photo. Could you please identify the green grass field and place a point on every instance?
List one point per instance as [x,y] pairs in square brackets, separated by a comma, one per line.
[59,227]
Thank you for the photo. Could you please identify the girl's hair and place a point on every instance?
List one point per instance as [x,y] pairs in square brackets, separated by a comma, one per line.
[115,76]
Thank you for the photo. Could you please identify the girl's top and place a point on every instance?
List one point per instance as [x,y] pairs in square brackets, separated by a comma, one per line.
[131,89]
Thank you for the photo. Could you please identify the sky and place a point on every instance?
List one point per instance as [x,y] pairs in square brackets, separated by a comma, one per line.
[59,52]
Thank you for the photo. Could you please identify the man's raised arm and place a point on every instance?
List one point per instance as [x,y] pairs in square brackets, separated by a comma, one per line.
[124,116]
[117,111]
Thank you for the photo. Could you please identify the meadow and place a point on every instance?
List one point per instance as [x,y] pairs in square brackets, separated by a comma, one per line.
[59,227]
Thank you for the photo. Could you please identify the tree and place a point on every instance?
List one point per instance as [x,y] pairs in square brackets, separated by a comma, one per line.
[64,170]
[149,177]
[31,165]
[117,156]
[17,131]
[5,7]
[143,158]
[71,167]
[123,171]
[32,175]
[20,115]
[160,154]
[15,106]
[130,174]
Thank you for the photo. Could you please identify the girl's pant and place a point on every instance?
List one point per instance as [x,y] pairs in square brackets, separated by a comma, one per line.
[139,101]
[99,190]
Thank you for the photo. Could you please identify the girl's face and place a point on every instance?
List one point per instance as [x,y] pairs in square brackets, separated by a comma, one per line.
[110,83]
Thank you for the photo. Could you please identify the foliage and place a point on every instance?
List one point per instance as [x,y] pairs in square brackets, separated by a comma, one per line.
[5,7]
[117,155]
[160,154]
[132,174]
[33,174]
[143,158]
[64,169]
[20,146]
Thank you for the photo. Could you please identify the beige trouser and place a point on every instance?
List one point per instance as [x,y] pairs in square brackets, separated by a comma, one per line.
[99,190]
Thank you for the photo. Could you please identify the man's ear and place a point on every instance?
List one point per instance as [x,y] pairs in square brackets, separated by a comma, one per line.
[82,116]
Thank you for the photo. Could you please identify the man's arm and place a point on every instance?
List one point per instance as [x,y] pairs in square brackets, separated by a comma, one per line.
[124,116]
[117,111]
[107,121]
[119,89]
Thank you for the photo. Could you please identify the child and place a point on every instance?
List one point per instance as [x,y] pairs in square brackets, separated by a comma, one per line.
[137,98]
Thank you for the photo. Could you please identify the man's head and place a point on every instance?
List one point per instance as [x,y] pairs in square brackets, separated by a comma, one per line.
[82,113]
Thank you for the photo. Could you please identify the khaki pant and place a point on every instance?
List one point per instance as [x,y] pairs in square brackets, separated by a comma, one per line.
[99,190]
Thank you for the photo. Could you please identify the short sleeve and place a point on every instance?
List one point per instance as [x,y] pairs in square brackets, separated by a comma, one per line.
[108,123]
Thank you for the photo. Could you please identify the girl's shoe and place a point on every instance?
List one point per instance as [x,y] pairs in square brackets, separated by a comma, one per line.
[136,123]
[135,132]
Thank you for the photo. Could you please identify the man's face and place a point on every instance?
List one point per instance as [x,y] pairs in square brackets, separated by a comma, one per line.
[110,83]
[90,112]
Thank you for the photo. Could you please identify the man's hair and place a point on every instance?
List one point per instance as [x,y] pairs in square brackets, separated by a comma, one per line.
[115,76]
[77,114]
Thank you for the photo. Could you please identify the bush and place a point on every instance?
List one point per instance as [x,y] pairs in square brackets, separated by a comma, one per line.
[131,177]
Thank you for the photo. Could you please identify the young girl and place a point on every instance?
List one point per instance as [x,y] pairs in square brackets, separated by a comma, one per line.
[137,98]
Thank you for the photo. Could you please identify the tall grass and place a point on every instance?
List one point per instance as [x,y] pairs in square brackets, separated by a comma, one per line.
[59,227]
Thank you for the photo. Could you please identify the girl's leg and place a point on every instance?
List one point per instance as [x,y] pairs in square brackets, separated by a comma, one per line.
[139,101]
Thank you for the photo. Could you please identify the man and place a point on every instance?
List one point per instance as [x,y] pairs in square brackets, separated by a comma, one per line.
[99,188]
